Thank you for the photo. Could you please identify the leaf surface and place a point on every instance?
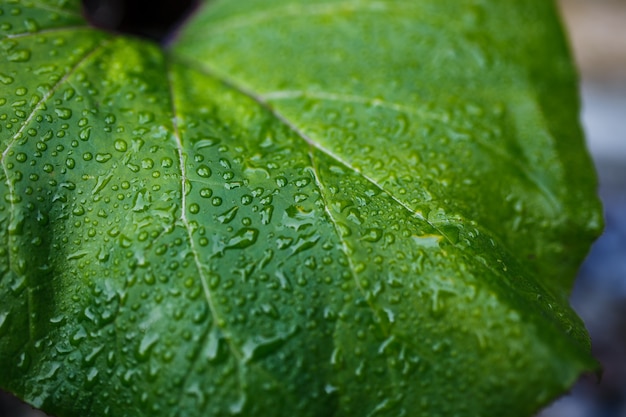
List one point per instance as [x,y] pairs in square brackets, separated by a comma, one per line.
[361,208]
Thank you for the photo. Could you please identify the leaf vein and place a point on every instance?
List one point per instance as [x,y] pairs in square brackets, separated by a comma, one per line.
[189,231]
[18,135]
[345,248]
[398,107]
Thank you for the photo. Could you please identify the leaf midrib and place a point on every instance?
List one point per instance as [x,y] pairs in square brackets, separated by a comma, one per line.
[210,72]
[200,267]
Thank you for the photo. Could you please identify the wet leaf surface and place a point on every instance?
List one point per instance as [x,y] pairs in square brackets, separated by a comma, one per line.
[365,208]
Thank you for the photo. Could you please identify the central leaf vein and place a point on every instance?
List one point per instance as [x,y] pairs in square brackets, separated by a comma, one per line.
[220,323]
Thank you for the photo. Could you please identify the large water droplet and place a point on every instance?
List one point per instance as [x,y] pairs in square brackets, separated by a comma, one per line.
[258,346]
[245,237]
[228,215]
[146,344]
[63,113]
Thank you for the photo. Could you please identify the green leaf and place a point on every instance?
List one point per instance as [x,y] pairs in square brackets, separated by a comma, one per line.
[346,208]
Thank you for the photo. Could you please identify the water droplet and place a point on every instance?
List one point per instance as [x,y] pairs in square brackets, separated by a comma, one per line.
[266,214]
[244,238]
[228,215]
[145,117]
[214,350]
[147,163]
[120,145]
[194,208]
[259,346]
[91,355]
[85,133]
[281,181]
[103,157]
[203,171]
[373,235]
[146,344]
[3,319]
[20,55]
[63,113]
[31,25]
[6,79]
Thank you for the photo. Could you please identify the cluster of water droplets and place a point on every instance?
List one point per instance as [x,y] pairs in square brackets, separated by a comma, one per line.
[172,243]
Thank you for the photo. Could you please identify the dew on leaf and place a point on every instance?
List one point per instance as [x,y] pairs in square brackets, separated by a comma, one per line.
[145,117]
[258,346]
[281,181]
[85,133]
[373,235]
[228,215]
[203,171]
[20,55]
[63,113]
[120,145]
[194,208]
[3,320]
[244,238]
[103,157]
[148,341]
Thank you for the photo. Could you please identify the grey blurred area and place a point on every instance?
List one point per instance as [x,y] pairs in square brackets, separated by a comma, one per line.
[12,407]
[597,30]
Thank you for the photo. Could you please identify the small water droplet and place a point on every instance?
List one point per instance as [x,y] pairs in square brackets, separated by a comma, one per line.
[103,157]
[145,117]
[6,79]
[85,133]
[206,193]
[3,319]
[20,55]
[63,113]
[373,235]
[203,171]
[266,214]
[194,208]
[120,145]
[281,181]
[31,25]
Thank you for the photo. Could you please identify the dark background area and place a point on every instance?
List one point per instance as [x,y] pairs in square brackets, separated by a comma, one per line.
[598,32]
[152,19]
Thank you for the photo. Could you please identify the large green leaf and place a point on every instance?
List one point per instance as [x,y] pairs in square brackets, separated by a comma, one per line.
[346,208]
